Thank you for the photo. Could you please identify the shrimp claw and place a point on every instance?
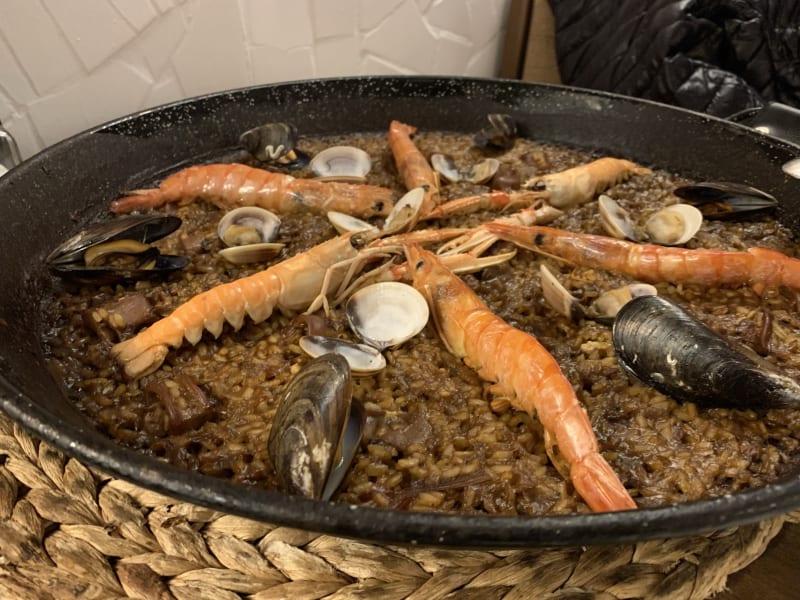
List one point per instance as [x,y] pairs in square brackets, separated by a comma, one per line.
[522,370]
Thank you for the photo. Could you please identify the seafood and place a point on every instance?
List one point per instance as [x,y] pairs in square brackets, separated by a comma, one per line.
[249,233]
[477,173]
[581,184]
[521,369]
[673,225]
[726,200]
[757,267]
[412,166]
[341,163]
[494,200]
[316,431]
[274,143]
[387,313]
[650,333]
[231,185]
[289,285]
[500,134]
[363,359]
[116,250]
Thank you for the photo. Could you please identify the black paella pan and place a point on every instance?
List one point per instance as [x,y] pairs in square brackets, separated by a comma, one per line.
[52,194]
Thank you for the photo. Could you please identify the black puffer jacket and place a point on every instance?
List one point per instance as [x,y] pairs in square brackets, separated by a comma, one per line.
[714,56]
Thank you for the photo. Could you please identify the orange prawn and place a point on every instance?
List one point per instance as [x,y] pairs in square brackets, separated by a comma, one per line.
[758,267]
[582,183]
[412,166]
[233,185]
[522,370]
[494,200]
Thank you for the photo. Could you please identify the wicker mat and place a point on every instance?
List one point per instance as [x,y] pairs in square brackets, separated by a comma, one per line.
[71,532]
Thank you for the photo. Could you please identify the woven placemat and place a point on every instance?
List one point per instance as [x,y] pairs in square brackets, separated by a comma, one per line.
[68,532]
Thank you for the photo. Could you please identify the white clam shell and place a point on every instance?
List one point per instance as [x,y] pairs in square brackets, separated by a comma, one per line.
[674,225]
[344,223]
[387,314]
[363,359]
[608,303]
[264,222]
[250,253]
[405,211]
[615,219]
[341,163]
[478,173]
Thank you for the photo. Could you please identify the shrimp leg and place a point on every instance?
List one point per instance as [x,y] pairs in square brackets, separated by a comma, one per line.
[758,267]
[521,369]
[232,185]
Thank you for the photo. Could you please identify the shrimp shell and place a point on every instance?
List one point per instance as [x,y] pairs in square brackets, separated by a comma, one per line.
[232,185]
[522,370]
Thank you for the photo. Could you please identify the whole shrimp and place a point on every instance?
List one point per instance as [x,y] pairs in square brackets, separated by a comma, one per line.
[758,267]
[413,166]
[582,183]
[522,370]
[295,284]
[233,185]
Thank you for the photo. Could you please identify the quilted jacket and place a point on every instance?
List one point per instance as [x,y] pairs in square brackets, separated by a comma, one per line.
[715,56]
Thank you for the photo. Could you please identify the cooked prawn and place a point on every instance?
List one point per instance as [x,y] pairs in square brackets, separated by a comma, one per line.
[522,370]
[757,267]
[582,183]
[412,165]
[233,185]
[494,200]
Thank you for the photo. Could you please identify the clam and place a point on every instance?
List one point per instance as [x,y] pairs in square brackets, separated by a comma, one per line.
[603,309]
[726,200]
[316,429]
[387,314]
[405,212]
[341,163]
[344,223]
[248,232]
[361,358]
[660,344]
[274,143]
[501,133]
[116,250]
[478,173]
[671,226]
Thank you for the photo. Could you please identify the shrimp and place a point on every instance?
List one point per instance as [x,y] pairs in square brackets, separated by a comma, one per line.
[521,369]
[580,184]
[758,267]
[495,200]
[297,283]
[290,285]
[233,185]
[477,241]
[413,167]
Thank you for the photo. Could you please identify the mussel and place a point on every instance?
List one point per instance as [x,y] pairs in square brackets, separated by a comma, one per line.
[725,200]
[660,344]
[500,134]
[316,430]
[117,250]
[274,143]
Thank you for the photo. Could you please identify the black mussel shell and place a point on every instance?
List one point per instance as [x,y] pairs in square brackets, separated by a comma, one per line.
[309,425]
[660,344]
[141,228]
[275,144]
[150,264]
[501,134]
[724,200]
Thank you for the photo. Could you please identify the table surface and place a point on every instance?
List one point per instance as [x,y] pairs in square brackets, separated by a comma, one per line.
[773,575]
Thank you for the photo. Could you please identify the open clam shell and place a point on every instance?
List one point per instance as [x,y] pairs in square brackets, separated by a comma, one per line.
[674,225]
[309,435]
[660,344]
[341,163]
[361,358]
[477,173]
[387,314]
[616,220]
[405,211]
[274,143]
[344,223]
[249,233]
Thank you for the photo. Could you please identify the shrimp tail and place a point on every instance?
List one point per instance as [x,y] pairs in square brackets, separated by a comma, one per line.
[139,200]
[595,482]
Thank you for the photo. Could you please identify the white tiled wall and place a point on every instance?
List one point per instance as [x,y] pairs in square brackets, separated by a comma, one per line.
[66,65]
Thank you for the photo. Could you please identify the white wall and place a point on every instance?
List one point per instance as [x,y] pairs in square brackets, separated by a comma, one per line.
[67,65]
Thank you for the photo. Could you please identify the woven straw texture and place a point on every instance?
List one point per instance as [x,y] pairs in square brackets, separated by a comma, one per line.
[67,531]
